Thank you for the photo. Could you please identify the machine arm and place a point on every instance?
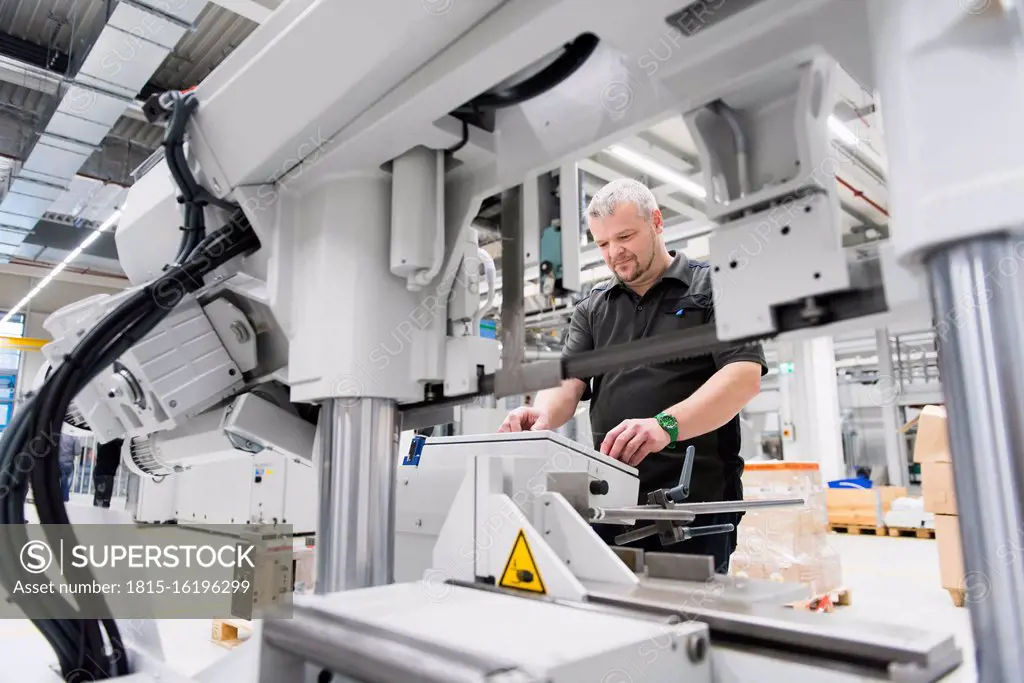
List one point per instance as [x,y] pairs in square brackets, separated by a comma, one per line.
[81,643]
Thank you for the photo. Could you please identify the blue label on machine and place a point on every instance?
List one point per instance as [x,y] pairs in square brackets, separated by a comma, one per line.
[412,459]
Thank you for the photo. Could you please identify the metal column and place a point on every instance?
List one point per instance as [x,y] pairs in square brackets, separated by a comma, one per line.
[513,330]
[887,395]
[978,294]
[810,402]
[355,534]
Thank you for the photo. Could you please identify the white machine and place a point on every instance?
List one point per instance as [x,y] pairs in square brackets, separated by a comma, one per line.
[429,479]
[362,190]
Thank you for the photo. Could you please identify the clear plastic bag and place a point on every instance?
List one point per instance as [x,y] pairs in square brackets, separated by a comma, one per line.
[787,544]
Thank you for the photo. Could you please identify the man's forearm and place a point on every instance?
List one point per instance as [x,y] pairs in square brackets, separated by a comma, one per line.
[559,403]
[718,400]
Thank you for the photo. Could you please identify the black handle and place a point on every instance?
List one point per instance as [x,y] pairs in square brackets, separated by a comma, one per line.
[682,492]
[599,487]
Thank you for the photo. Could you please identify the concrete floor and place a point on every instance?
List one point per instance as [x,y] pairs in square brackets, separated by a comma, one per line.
[892,580]
[896,580]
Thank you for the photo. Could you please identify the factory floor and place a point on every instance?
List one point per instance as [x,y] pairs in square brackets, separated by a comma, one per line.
[891,580]
[896,581]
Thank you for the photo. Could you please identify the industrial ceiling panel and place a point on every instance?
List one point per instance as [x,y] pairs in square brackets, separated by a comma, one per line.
[105,203]
[91,105]
[217,33]
[25,204]
[41,176]
[79,193]
[58,23]
[12,237]
[139,27]
[114,57]
[77,128]
[33,189]
[138,132]
[18,221]
[22,101]
[54,161]
[183,10]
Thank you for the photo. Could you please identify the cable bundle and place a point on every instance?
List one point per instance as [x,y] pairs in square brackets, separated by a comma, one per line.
[29,446]
[193,195]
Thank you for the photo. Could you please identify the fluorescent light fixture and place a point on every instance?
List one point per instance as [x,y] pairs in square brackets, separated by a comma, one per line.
[75,253]
[840,130]
[659,171]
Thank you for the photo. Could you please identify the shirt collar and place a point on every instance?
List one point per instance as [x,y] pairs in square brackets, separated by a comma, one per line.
[679,270]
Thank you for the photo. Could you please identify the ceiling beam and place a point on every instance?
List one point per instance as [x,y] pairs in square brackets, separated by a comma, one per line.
[663,193]
[664,156]
[67,275]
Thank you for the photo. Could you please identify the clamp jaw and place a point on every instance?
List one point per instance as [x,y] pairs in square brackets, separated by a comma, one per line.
[670,531]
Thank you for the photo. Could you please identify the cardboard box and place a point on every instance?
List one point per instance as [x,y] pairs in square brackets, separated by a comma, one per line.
[865,507]
[932,441]
[937,488]
[951,561]
[304,576]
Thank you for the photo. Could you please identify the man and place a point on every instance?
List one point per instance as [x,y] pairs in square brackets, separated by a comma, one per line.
[647,416]
[68,451]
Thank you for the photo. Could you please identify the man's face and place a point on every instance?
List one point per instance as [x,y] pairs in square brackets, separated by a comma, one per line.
[628,243]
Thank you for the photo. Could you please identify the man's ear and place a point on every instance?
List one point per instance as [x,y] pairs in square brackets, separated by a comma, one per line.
[657,221]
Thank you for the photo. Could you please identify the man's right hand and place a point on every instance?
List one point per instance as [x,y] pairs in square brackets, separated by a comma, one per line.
[524,420]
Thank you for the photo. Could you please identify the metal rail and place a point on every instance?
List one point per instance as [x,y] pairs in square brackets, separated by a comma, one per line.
[686,512]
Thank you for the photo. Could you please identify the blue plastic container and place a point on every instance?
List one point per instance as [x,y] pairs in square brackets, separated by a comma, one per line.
[857,483]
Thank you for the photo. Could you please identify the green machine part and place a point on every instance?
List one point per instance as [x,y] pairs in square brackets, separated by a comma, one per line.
[551,253]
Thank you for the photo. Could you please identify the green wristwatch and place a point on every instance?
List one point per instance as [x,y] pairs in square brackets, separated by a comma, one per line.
[670,425]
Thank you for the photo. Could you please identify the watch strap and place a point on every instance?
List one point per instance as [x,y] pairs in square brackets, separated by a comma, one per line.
[670,425]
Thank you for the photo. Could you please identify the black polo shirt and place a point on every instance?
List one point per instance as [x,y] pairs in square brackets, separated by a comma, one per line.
[613,314]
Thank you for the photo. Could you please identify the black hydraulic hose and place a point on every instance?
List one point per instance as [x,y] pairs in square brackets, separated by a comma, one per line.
[106,342]
[79,643]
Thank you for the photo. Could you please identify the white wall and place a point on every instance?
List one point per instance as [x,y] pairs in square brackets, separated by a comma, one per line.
[31,361]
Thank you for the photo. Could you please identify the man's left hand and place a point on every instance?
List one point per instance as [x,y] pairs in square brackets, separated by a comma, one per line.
[634,440]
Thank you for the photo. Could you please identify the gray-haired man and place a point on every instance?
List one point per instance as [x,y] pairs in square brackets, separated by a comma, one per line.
[648,416]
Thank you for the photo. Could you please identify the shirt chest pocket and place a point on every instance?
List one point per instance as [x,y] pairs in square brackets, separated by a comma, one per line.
[679,313]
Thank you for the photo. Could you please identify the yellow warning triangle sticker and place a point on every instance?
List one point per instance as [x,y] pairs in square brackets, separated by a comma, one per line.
[521,569]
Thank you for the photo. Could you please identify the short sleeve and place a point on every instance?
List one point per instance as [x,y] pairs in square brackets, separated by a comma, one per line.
[580,338]
[753,353]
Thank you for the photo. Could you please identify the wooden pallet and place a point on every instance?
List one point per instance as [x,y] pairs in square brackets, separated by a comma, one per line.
[230,633]
[857,529]
[959,597]
[911,532]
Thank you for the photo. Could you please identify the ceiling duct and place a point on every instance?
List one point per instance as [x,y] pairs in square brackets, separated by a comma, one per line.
[135,41]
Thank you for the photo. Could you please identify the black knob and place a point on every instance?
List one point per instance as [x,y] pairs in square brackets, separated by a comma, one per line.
[524,576]
[599,487]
